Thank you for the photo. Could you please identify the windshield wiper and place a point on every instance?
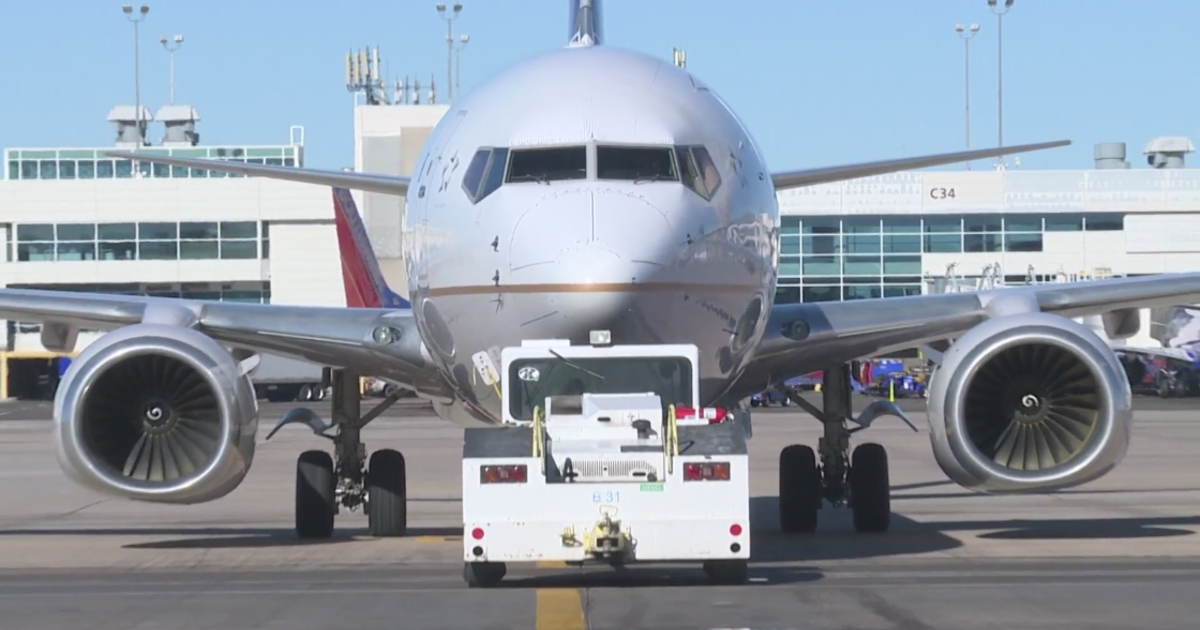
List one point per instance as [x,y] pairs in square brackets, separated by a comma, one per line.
[537,177]
[577,367]
[655,177]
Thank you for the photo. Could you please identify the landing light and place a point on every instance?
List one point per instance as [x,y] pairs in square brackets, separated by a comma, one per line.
[600,337]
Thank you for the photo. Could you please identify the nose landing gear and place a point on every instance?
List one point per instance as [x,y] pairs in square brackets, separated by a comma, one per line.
[326,483]
[833,473]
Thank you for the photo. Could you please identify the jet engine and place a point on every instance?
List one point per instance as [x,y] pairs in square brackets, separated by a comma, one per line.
[156,413]
[1031,402]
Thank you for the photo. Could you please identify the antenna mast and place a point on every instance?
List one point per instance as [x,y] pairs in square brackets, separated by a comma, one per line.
[363,75]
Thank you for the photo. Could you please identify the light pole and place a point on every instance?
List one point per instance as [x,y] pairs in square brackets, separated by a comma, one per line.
[441,9]
[464,40]
[167,44]
[994,5]
[137,88]
[967,35]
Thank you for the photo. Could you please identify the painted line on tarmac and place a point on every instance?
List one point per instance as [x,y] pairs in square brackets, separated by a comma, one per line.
[437,539]
[560,609]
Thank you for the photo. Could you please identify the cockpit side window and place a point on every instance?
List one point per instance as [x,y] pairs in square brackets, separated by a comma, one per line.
[485,173]
[495,172]
[650,164]
[547,164]
[708,171]
[473,177]
[699,171]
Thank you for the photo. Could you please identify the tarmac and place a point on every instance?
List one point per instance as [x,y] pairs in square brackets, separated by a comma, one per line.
[1122,552]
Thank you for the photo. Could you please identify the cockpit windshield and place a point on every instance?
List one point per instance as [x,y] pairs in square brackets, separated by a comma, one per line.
[548,164]
[532,380]
[636,163]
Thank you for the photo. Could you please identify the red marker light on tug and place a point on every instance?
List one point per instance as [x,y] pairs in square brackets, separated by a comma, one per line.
[714,415]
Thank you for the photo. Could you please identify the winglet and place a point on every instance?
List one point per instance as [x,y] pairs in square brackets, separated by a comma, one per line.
[365,286]
[586,25]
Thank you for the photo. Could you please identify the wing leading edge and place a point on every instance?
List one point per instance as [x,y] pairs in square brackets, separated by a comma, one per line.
[810,177]
[370,182]
[333,336]
[801,338]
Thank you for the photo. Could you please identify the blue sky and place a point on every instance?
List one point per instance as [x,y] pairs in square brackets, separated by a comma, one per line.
[818,82]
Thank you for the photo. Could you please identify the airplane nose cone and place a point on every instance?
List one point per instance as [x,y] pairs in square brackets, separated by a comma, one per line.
[589,235]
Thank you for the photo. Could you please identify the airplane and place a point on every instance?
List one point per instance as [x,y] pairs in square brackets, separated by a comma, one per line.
[583,190]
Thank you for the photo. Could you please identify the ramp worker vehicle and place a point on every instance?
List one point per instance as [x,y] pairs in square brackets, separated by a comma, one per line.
[606,457]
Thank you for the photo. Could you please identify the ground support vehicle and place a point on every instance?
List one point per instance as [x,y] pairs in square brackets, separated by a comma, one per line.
[605,459]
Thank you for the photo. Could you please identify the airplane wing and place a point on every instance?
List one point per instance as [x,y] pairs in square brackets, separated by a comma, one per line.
[369,182]
[338,337]
[809,177]
[810,336]
[1177,354]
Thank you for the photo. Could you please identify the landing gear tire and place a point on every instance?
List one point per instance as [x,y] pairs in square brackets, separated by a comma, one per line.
[387,494]
[870,488]
[315,485]
[799,489]
[305,394]
[483,574]
[727,571]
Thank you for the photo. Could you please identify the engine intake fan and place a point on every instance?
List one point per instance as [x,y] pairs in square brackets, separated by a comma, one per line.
[1032,402]
[156,413]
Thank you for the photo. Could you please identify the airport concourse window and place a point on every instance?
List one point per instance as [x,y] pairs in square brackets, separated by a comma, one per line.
[640,164]
[535,379]
[1023,242]
[189,240]
[1064,222]
[546,165]
[1104,222]
[787,295]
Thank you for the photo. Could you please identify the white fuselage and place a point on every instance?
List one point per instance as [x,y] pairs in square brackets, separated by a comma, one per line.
[651,261]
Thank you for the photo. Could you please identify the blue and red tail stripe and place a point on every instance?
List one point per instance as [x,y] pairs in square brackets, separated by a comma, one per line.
[365,286]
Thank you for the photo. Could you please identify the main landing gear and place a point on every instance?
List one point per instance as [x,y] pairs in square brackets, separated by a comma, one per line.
[346,479]
[840,477]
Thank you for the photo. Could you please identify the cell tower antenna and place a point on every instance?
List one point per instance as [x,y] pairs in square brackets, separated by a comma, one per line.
[363,75]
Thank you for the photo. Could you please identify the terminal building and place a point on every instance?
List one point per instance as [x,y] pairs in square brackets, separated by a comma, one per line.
[898,234]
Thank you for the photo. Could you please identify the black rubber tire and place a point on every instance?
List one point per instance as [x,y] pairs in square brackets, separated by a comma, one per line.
[870,488]
[387,494]
[730,572]
[315,489]
[483,574]
[799,489]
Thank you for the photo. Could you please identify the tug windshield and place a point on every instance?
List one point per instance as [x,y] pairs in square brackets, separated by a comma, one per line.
[532,380]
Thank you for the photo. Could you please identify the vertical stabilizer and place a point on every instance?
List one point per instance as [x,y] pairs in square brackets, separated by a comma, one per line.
[586,25]
[365,286]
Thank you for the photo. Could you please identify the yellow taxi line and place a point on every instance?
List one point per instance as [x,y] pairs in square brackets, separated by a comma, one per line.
[560,609]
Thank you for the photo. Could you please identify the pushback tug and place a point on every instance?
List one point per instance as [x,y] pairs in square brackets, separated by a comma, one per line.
[606,457]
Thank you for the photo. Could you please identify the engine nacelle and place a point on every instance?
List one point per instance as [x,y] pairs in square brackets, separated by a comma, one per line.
[1032,402]
[156,413]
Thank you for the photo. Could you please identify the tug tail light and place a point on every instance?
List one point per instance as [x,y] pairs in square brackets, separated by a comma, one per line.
[706,471]
[512,473]
[714,415]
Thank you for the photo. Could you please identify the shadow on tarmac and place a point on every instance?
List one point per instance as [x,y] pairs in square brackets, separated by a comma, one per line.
[229,537]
